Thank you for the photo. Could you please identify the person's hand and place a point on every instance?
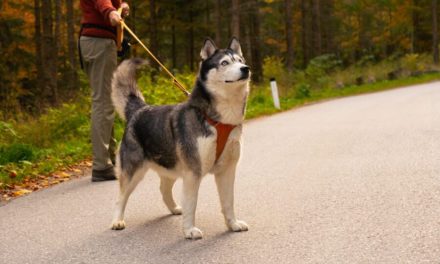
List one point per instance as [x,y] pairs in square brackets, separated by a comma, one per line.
[125,9]
[115,18]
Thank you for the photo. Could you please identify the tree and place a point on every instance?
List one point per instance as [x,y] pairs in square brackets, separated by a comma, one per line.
[218,22]
[289,34]
[56,47]
[316,28]
[38,43]
[254,24]
[435,32]
[72,47]
[49,59]
[328,27]
[305,36]
[154,45]
[190,59]
[235,20]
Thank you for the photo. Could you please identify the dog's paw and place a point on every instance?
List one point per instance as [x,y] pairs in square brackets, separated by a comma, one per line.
[238,226]
[176,210]
[118,225]
[193,233]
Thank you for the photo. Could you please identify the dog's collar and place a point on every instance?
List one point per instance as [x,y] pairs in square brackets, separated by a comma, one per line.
[223,131]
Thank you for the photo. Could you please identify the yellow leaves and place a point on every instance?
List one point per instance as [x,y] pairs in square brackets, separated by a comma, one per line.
[61,175]
[21,192]
[33,183]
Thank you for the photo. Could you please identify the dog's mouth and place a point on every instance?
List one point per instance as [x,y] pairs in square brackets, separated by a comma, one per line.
[243,78]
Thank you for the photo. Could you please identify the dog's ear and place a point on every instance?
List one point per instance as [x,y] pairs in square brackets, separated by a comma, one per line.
[208,49]
[234,45]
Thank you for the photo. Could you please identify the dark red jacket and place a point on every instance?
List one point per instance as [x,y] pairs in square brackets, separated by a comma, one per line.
[96,12]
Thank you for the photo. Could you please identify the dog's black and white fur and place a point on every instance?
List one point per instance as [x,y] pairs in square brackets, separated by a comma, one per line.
[177,141]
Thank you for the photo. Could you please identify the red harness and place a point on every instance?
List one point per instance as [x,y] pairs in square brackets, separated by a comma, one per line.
[223,131]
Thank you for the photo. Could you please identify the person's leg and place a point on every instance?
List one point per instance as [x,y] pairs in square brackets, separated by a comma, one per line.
[99,56]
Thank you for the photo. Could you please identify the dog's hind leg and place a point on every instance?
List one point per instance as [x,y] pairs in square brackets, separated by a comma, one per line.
[225,186]
[127,184]
[166,188]
[191,184]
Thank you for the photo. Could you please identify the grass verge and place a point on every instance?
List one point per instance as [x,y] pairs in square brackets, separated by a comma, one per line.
[260,102]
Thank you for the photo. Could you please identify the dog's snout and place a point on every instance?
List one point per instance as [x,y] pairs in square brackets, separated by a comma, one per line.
[245,69]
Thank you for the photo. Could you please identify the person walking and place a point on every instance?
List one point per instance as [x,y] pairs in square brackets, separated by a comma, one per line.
[98,55]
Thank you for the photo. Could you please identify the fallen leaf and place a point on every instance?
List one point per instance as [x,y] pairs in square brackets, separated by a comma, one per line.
[21,192]
[64,175]
[12,174]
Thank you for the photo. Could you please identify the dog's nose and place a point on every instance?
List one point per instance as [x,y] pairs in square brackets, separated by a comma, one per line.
[245,69]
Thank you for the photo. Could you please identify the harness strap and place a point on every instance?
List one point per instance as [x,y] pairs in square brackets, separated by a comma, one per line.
[223,131]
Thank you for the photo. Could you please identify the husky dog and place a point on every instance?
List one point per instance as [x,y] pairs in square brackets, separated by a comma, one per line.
[181,140]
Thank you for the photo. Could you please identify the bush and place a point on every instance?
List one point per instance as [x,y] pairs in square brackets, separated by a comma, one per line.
[16,152]
[321,65]
[302,91]
[273,67]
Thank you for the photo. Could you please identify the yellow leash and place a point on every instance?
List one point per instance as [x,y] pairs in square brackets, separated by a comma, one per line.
[175,81]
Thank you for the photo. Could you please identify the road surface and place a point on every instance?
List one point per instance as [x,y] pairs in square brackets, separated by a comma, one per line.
[352,180]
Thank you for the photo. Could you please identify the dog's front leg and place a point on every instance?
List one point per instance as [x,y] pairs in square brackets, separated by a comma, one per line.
[225,186]
[191,185]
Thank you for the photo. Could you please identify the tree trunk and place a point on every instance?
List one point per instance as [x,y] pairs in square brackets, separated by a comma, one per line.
[48,58]
[289,34]
[133,12]
[173,46]
[235,19]
[328,30]
[218,22]
[316,28]
[435,32]
[191,36]
[71,47]
[257,70]
[153,31]
[304,32]
[56,48]
[38,49]
[207,18]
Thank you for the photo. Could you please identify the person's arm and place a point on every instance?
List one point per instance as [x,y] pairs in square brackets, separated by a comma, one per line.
[105,7]
[109,12]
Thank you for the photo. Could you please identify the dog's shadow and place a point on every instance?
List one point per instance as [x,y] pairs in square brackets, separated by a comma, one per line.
[166,231]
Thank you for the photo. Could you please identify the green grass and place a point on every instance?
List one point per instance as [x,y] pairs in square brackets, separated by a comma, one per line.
[61,138]
[260,102]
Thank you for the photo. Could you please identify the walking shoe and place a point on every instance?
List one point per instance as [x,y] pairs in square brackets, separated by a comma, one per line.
[103,175]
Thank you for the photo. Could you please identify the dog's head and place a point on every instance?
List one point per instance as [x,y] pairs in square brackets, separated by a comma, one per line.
[223,68]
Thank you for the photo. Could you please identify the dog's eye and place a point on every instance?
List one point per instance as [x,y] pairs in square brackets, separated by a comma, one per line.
[240,60]
[224,63]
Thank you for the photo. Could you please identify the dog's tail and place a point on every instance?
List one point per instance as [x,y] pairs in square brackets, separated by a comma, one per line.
[126,96]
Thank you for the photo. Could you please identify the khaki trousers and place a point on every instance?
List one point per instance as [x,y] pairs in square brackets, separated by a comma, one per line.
[100,60]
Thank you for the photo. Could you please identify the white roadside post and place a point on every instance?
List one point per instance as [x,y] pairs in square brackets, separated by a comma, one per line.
[274,88]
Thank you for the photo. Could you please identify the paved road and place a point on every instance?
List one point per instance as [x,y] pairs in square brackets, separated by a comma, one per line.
[353,180]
